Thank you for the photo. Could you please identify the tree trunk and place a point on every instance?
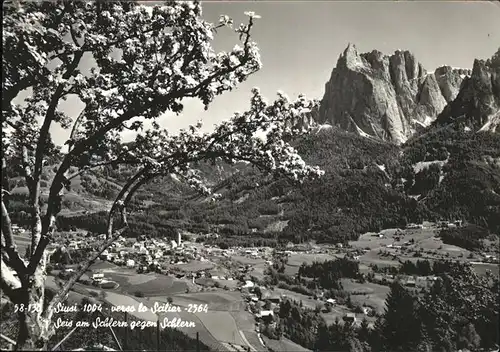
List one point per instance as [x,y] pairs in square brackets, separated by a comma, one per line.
[33,333]
[35,328]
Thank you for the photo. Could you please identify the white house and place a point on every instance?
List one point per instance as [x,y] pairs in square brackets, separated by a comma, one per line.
[173,244]
[130,263]
[265,313]
[248,284]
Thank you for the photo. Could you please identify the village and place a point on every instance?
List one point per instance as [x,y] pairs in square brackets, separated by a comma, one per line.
[187,269]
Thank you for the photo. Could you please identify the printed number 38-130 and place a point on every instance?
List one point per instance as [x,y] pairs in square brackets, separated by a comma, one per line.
[197,308]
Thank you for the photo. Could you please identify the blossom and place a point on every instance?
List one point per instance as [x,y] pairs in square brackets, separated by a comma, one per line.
[251,14]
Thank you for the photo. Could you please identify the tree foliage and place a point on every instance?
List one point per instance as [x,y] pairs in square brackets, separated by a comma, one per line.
[145,61]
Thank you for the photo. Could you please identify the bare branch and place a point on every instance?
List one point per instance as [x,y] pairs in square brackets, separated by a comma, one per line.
[49,116]
[119,202]
[75,127]
[73,36]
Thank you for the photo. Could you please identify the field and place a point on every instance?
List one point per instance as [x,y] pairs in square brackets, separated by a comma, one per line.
[258,270]
[230,284]
[245,260]
[482,268]
[283,345]
[297,259]
[372,257]
[307,301]
[423,241]
[222,326]
[194,265]
[372,295]
[216,301]
[224,319]
[104,265]
[204,334]
[122,300]
[149,284]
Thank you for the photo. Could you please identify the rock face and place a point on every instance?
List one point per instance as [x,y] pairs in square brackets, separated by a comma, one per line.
[307,120]
[387,97]
[477,104]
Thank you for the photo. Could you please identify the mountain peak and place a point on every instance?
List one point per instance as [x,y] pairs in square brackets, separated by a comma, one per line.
[351,50]
[349,58]
[385,96]
[478,102]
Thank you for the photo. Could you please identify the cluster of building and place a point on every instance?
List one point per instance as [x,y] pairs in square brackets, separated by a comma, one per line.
[265,304]
[489,258]
[149,254]
[450,224]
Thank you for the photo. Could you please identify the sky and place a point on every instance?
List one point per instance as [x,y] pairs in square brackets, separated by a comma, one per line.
[300,42]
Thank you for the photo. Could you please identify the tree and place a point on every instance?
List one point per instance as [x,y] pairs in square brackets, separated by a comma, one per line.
[469,338]
[145,62]
[401,327]
[461,307]
[364,331]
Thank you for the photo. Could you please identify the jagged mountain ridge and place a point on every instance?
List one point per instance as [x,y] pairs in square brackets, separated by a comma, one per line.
[478,102]
[388,97]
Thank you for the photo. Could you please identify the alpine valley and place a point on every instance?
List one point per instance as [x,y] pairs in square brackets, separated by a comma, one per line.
[398,144]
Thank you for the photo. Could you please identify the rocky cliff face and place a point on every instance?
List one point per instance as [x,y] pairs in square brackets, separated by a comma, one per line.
[477,104]
[388,97]
[307,120]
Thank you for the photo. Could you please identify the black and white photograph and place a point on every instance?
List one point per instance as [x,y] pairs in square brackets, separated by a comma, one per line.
[250,176]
